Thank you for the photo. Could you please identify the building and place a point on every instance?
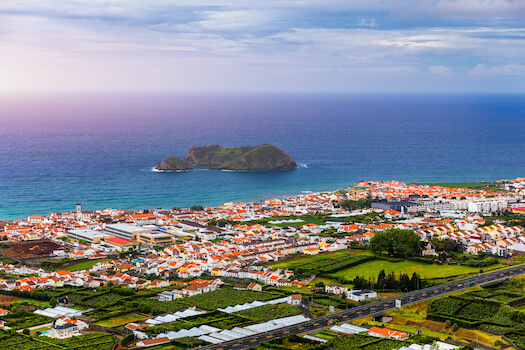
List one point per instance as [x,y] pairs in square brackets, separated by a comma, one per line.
[65,327]
[487,205]
[88,235]
[199,288]
[169,295]
[120,244]
[154,238]
[124,230]
[295,299]
[518,210]
[146,343]
[335,288]
[360,295]
[387,333]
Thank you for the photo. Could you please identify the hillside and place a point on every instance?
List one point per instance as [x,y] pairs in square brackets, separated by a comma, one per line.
[172,163]
[263,157]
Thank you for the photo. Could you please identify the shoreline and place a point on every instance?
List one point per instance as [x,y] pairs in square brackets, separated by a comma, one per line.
[293,194]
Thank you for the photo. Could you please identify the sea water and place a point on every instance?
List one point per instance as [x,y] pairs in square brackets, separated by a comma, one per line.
[100,150]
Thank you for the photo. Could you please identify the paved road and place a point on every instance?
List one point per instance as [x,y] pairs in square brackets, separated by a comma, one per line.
[369,309]
[47,325]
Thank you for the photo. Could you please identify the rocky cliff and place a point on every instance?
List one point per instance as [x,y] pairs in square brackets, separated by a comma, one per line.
[172,163]
[254,158]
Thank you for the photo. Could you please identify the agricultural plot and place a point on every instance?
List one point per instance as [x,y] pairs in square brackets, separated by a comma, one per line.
[85,265]
[354,342]
[371,269]
[518,338]
[487,308]
[119,321]
[93,341]
[330,265]
[24,319]
[269,312]
[103,300]
[215,319]
[223,298]
[309,259]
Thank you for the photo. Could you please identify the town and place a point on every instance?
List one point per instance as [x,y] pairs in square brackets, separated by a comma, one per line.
[181,278]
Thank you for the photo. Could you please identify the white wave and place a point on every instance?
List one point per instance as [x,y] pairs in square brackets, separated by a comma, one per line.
[168,171]
[303,165]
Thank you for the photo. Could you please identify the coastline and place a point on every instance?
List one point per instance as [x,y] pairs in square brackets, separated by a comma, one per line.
[139,206]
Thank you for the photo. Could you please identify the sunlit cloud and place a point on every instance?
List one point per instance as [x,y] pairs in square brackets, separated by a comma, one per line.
[510,69]
[440,69]
[198,45]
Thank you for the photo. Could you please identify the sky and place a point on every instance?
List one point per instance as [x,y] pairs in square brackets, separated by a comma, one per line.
[262,46]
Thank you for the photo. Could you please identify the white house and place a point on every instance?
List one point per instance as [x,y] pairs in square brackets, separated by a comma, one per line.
[65,327]
[335,289]
[360,295]
[295,299]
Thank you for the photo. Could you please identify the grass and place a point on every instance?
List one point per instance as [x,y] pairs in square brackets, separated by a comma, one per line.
[42,304]
[372,269]
[119,321]
[412,318]
[286,224]
[310,258]
[473,185]
[85,265]
[327,334]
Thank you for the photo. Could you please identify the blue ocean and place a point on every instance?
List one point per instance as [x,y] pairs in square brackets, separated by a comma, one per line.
[100,150]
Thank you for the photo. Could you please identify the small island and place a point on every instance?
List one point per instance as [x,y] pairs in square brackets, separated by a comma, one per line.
[172,163]
[264,157]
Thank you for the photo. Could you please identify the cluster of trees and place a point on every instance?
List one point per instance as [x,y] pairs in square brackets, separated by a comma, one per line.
[446,245]
[358,204]
[396,243]
[390,281]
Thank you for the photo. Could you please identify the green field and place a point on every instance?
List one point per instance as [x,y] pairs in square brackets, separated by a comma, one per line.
[84,265]
[119,321]
[372,269]
[473,185]
[303,259]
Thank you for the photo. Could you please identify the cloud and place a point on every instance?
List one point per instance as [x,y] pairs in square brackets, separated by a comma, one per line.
[440,69]
[289,37]
[510,69]
[368,23]
[405,69]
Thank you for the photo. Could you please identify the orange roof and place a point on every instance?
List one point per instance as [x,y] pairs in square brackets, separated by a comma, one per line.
[388,332]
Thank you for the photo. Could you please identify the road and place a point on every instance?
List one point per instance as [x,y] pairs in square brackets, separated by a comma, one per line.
[369,309]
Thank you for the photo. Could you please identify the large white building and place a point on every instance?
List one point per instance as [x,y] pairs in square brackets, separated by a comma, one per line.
[88,235]
[487,205]
[124,230]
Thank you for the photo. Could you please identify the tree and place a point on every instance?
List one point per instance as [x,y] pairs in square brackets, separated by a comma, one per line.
[448,323]
[26,331]
[381,278]
[404,282]
[358,204]
[395,242]
[455,327]
[196,208]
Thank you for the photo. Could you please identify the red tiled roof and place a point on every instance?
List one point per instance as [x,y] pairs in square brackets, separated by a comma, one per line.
[119,241]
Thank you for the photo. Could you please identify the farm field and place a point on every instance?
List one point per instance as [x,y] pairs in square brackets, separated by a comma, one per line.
[473,185]
[415,317]
[84,265]
[303,259]
[122,320]
[372,269]
[91,341]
